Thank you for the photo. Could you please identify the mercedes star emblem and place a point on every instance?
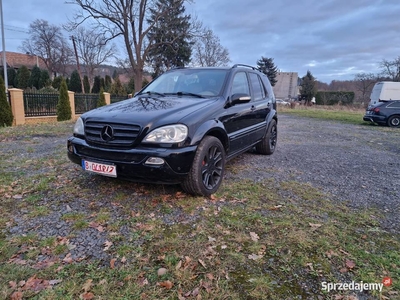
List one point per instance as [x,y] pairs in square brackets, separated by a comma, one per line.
[107,133]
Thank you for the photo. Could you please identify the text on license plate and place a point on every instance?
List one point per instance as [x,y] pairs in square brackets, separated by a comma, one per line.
[103,169]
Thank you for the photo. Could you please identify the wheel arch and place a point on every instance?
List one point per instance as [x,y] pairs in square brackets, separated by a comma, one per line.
[212,128]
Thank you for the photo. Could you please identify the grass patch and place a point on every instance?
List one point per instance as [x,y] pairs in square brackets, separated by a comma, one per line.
[335,113]
[264,240]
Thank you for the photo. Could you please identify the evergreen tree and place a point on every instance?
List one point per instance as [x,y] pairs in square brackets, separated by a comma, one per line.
[44,79]
[96,85]
[102,83]
[6,116]
[86,84]
[107,83]
[308,87]
[11,75]
[75,84]
[34,79]
[115,74]
[131,86]
[267,66]
[57,82]
[171,46]
[117,88]
[22,78]
[63,106]
[102,100]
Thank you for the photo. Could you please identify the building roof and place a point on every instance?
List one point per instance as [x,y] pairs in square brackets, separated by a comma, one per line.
[17,60]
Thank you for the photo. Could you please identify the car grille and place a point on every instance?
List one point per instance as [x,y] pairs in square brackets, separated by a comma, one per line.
[108,155]
[124,135]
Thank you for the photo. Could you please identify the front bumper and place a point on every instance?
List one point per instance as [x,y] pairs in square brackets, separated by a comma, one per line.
[131,163]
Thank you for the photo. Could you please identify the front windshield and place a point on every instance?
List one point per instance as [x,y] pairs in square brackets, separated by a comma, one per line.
[200,82]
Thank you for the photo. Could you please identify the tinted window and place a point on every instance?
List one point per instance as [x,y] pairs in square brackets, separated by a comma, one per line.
[240,84]
[258,88]
[394,105]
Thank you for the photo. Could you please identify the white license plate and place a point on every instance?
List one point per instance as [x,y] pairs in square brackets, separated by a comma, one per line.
[103,169]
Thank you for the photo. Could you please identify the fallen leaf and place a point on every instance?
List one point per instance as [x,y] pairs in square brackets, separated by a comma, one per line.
[55,281]
[254,236]
[112,263]
[162,271]
[107,244]
[88,285]
[195,292]
[343,270]
[350,264]
[276,207]
[210,276]
[178,265]
[166,284]
[254,257]
[68,258]
[202,263]
[16,296]
[86,296]
[314,226]
[211,239]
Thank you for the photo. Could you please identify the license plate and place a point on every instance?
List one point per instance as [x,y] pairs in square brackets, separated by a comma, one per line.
[99,168]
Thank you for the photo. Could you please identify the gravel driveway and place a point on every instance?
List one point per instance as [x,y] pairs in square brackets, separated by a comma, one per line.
[359,165]
[356,164]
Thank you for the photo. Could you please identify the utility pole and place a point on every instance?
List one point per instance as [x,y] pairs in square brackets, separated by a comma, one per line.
[4,48]
[77,63]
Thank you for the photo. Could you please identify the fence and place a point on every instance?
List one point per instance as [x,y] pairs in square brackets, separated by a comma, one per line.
[38,104]
[85,102]
[37,107]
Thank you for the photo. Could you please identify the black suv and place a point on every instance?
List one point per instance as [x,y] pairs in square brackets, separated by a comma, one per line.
[180,128]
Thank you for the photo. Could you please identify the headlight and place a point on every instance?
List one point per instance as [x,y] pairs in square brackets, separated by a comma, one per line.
[167,134]
[79,128]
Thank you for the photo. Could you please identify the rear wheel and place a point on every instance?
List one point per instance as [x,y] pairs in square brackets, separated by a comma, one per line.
[268,143]
[394,121]
[208,167]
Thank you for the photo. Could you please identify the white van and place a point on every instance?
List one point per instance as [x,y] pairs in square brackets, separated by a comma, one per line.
[384,91]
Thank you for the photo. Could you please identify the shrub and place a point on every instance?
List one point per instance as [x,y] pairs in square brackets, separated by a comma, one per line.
[6,116]
[102,100]
[63,106]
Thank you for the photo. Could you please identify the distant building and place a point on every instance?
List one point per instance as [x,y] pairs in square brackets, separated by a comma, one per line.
[17,60]
[287,86]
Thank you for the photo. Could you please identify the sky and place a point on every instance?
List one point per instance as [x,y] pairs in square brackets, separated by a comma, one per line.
[333,39]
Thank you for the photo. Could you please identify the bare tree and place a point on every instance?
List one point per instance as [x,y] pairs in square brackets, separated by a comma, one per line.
[208,51]
[92,50]
[128,19]
[364,83]
[391,68]
[47,41]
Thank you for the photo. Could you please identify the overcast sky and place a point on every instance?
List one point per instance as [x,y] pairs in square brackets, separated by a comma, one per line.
[334,39]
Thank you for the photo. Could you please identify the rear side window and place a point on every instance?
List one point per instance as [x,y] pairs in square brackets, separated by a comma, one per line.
[258,87]
[394,105]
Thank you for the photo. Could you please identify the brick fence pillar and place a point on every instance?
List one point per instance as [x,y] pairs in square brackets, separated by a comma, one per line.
[71,96]
[17,106]
[107,97]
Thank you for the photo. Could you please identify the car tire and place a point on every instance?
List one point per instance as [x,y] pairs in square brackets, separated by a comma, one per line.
[208,168]
[394,121]
[268,143]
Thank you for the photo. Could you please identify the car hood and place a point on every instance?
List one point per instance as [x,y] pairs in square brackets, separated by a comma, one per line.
[150,112]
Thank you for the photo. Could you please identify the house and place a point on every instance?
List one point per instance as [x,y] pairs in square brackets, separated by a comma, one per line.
[17,60]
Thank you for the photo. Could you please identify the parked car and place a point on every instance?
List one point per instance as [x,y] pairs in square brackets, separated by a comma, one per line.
[181,128]
[282,102]
[384,113]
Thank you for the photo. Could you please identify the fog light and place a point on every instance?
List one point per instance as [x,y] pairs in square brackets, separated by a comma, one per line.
[154,161]
[71,148]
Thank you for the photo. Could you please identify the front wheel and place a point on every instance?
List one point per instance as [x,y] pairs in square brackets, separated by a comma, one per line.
[268,144]
[208,167]
[394,121]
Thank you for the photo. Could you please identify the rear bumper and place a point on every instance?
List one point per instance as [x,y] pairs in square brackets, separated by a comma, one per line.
[131,163]
[375,119]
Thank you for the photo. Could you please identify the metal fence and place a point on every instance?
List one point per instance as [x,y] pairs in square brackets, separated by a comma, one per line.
[39,104]
[85,102]
[116,98]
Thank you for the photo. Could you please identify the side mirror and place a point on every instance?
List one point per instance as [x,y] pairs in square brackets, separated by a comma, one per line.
[240,98]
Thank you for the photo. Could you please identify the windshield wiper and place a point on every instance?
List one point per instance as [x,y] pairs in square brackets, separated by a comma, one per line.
[189,94]
[153,93]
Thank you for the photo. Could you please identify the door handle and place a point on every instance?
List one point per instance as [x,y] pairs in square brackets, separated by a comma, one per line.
[253,108]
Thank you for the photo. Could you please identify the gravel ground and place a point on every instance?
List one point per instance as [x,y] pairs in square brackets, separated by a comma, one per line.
[356,164]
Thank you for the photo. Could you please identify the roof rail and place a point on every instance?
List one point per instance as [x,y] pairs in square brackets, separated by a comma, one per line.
[241,65]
